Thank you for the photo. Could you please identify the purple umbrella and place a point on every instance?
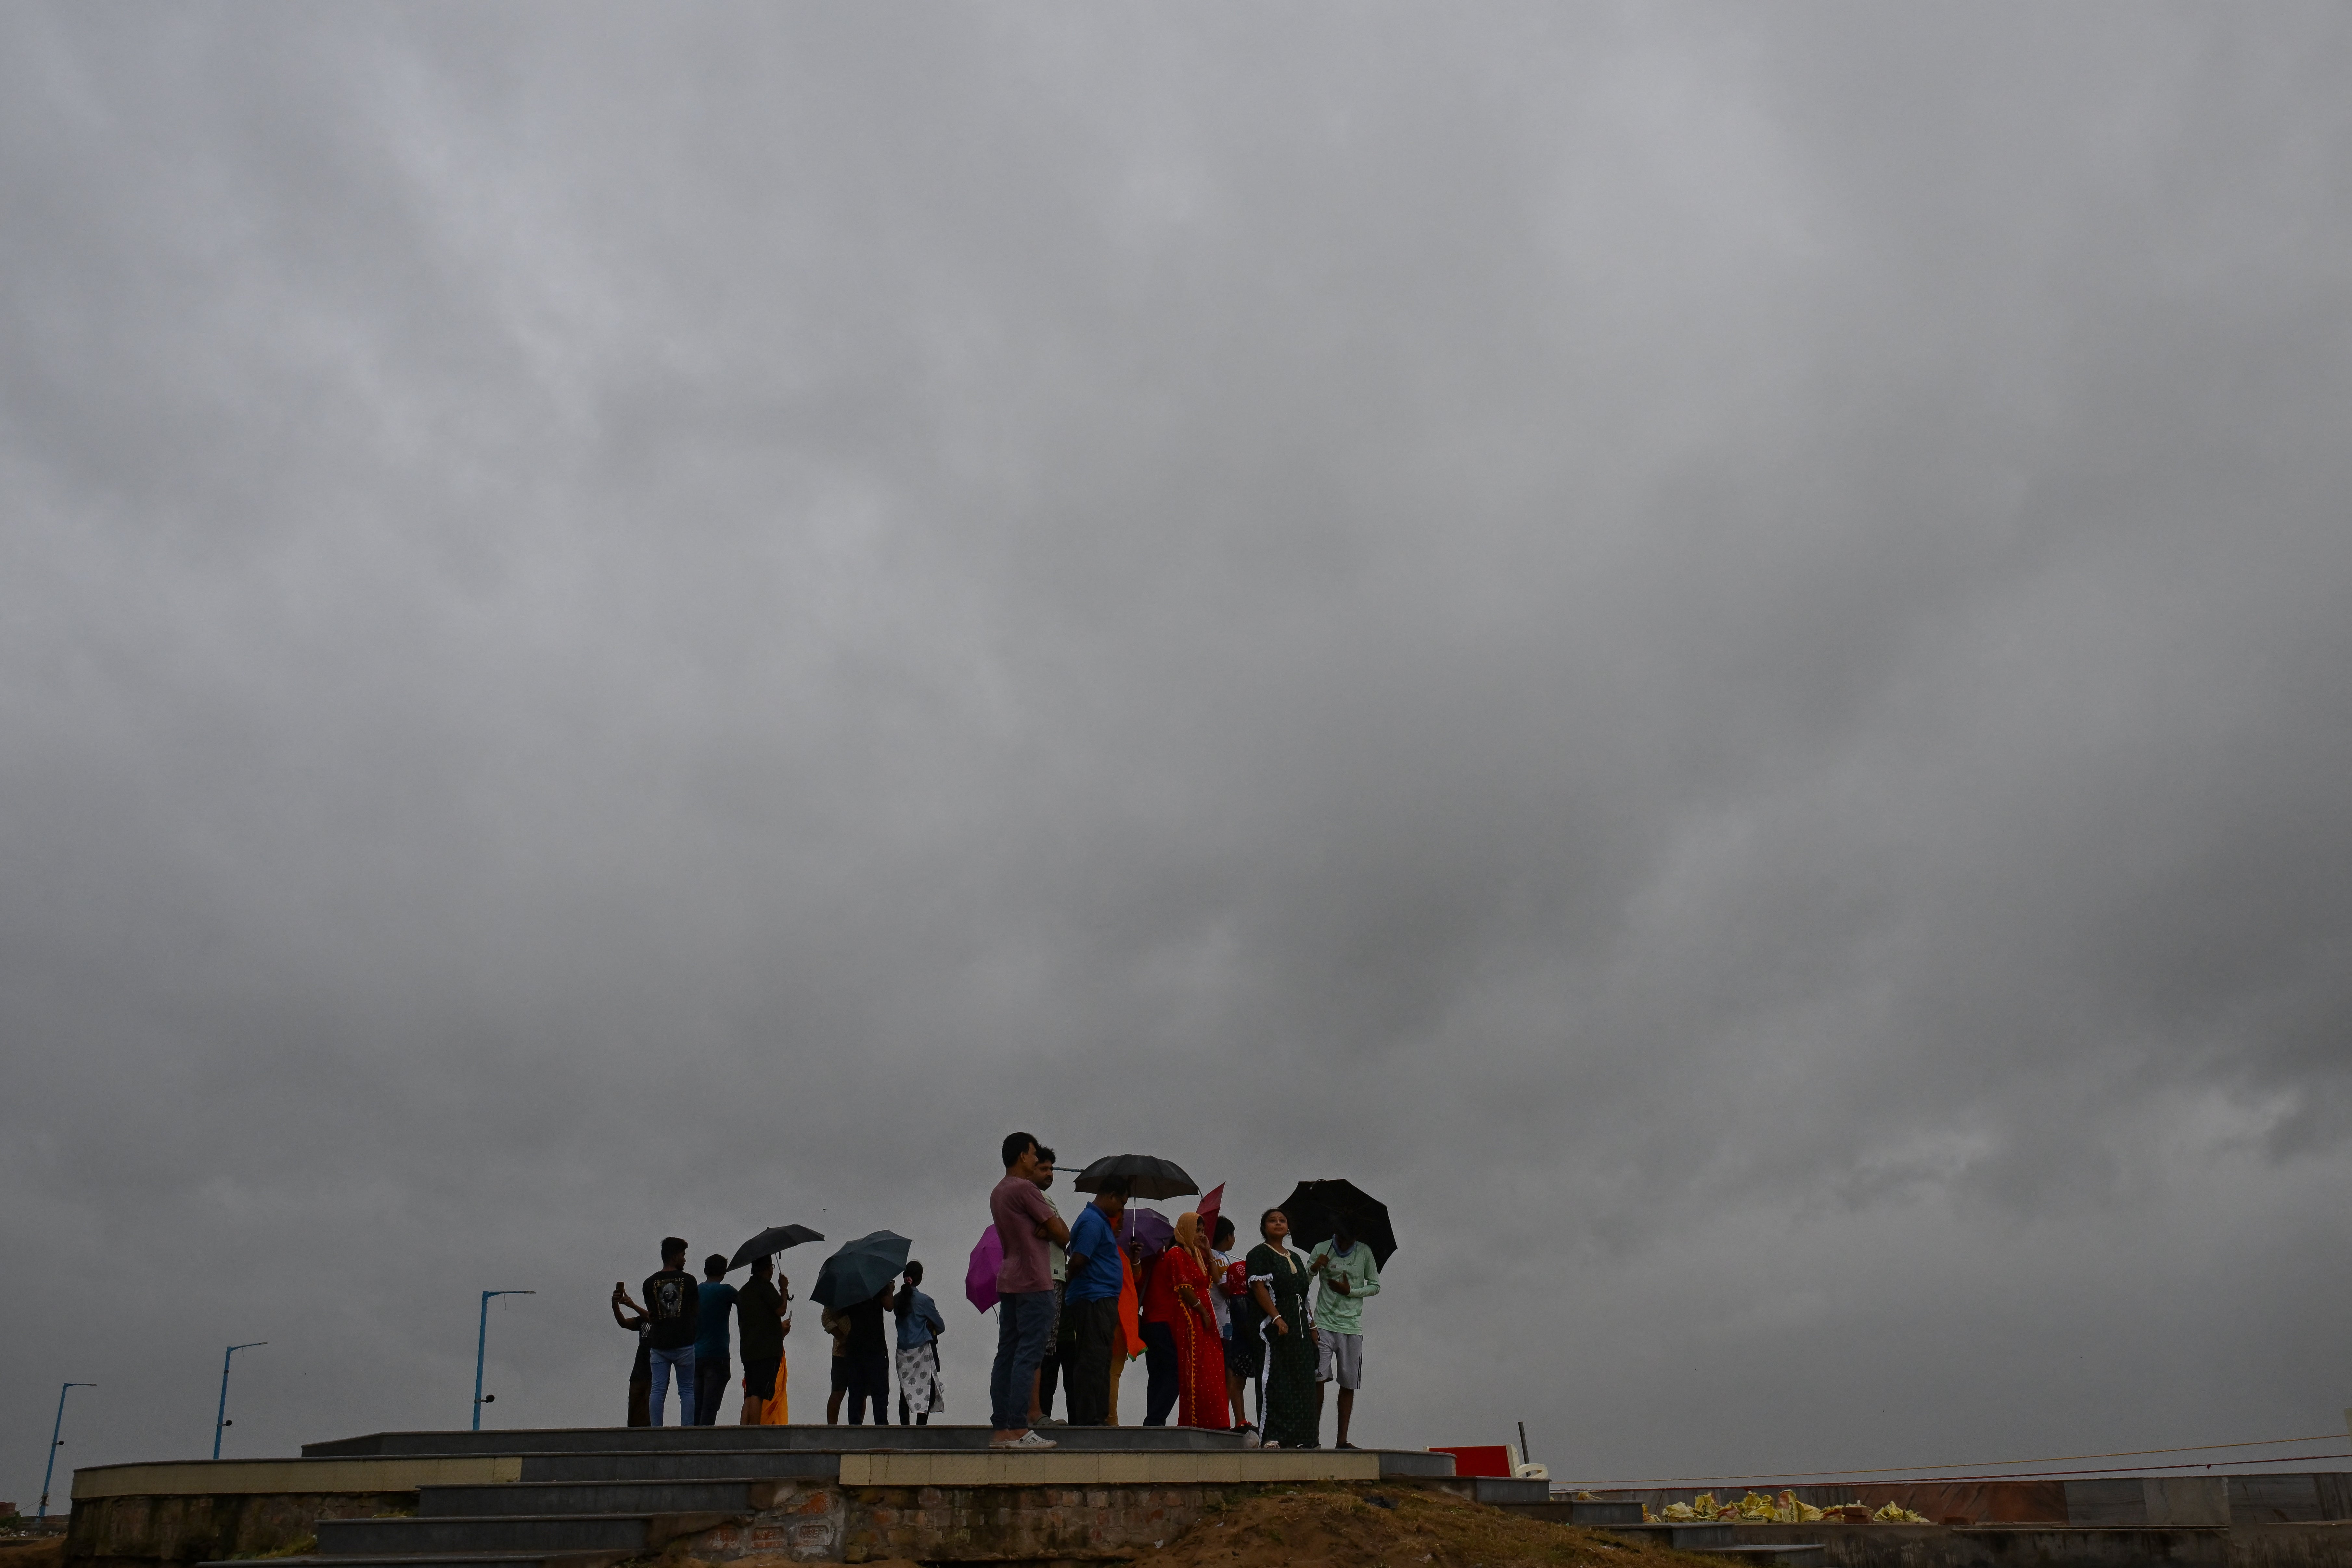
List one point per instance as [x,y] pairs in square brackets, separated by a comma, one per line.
[1146,1232]
[980,1275]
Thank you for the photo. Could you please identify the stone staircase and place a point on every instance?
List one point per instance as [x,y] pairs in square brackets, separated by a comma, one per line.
[590,1498]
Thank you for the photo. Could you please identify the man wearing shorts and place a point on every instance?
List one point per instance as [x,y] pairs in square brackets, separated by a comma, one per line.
[1346,1274]
[760,1318]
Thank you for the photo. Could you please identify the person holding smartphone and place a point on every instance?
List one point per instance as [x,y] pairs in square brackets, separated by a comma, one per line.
[641,1374]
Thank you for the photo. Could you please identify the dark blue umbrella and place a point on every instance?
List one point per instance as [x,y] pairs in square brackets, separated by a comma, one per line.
[860,1269]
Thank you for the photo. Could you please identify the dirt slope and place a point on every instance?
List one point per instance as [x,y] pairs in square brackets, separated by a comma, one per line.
[1337,1527]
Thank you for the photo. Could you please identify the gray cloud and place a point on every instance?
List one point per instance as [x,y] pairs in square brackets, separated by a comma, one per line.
[1704,645]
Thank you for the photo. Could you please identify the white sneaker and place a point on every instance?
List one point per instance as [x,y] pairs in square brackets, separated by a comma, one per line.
[1033,1438]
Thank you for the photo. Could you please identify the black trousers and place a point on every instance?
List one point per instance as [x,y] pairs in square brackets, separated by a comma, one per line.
[869,1378]
[1160,1360]
[1094,1341]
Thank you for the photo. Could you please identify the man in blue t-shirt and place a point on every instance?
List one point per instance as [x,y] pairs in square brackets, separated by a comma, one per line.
[712,1369]
[1091,1303]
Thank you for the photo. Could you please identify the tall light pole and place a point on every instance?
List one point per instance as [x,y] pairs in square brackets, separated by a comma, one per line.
[481,1342]
[55,1442]
[220,1418]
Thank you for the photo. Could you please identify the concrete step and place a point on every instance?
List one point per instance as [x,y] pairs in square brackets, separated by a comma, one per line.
[1770,1555]
[447,1560]
[1567,1511]
[689,1439]
[731,1496]
[1681,1537]
[686,1465]
[627,1533]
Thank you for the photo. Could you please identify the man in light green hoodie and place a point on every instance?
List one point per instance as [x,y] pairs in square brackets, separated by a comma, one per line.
[1345,1275]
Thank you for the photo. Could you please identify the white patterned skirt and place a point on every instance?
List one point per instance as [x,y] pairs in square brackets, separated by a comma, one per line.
[918,1379]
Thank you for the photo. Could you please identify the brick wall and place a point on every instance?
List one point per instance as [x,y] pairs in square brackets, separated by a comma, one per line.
[826,1523]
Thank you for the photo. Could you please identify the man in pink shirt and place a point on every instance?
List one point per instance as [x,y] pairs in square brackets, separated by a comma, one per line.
[1024,1290]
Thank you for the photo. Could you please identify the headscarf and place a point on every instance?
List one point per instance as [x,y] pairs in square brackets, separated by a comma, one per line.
[1188,1237]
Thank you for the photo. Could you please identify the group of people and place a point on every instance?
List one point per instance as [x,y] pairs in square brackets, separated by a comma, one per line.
[864,1342]
[1074,1305]
[681,1328]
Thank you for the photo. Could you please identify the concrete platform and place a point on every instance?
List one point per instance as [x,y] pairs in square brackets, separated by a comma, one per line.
[593,1497]
[228,1478]
[675,1439]
[1079,1467]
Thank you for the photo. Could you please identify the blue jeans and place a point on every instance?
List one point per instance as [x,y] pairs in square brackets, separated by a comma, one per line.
[1024,1322]
[658,1363]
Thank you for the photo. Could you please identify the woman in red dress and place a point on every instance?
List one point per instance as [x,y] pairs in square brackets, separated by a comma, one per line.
[1178,1296]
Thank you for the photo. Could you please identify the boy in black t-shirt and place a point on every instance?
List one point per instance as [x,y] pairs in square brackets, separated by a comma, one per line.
[674,1302]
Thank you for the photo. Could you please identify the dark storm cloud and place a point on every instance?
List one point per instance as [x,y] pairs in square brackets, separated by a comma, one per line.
[1705,645]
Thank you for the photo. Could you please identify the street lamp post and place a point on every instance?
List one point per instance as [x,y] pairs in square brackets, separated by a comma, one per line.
[481,1342]
[55,1442]
[220,1418]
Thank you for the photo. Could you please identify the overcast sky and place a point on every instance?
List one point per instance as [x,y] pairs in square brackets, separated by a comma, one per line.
[1706,646]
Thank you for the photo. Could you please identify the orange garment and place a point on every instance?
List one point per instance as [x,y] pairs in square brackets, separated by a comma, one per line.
[1130,1332]
[778,1411]
[1131,1327]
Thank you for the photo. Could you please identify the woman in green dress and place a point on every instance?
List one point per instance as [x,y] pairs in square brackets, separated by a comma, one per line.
[1278,1280]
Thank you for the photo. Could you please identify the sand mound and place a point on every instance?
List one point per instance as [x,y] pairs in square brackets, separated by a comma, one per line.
[1392,1527]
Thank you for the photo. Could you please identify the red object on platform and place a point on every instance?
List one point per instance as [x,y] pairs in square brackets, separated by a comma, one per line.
[1492,1460]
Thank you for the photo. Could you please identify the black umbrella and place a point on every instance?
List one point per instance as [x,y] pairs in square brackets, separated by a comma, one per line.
[1312,1206]
[860,1269]
[1146,1175]
[775,1238]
